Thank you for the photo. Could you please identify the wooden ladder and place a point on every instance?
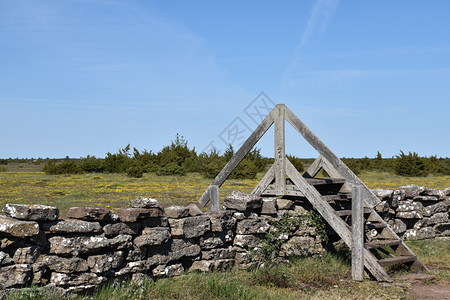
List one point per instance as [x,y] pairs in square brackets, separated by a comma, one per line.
[330,198]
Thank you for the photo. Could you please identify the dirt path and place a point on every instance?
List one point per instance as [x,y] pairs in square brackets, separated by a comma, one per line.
[424,288]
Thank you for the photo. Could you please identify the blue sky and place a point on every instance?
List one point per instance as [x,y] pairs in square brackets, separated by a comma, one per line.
[81,77]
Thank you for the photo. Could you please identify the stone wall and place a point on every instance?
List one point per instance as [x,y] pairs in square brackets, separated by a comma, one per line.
[416,212]
[94,246]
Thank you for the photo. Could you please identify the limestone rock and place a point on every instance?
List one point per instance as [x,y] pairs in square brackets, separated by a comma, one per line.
[83,279]
[251,226]
[77,245]
[26,255]
[242,201]
[301,246]
[435,208]
[409,210]
[153,236]
[39,272]
[176,212]
[105,262]
[144,202]
[426,198]
[442,229]
[419,234]
[72,226]
[122,241]
[190,227]
[398,225]
[122,228]
[246,241]
[412,190]
[194,210]
[65,265]
[89,213]
[221,220]
[211,265]
[15,275]
[269,206]
[284,204]
[134,214]
[5,259]
[31,212]
[215,239]
[218,253]
[18,228]
[438,218]
[166,271]
[382,194]
[180,248]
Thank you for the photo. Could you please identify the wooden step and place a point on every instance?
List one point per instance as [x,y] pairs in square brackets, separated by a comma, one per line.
[337,197]
[375,225]
[396,260]
[348,212]
[324,181]
[381,243]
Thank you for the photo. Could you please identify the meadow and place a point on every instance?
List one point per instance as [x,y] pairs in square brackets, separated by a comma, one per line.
[24,183]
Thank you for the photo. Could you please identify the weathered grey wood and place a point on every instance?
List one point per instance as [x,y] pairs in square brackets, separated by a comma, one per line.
[328,167]
[239,155]
[214,198]
[342,169]
[357,234]
[397,260]
[339,226]
[280,155]
[319,204]
[291,190]
[265,181]
[402,249]
[314,168]
[382,243]
[348,212]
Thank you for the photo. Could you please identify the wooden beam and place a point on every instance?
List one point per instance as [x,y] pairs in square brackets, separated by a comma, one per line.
[239,155]
[357,234]
[339,226]
[265,181]
[351,178]
[328,167]
[280,152]
[214,198]
[314,168]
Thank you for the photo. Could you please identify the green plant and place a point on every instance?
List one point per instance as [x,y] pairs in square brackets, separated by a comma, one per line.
[410,165]
[3,169]
[135,171]
[65,167]
[282,229]
[3,161]
[92,164]
[297,162]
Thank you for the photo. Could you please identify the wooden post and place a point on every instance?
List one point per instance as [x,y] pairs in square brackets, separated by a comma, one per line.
[280,153]
[214,198]
[357,234]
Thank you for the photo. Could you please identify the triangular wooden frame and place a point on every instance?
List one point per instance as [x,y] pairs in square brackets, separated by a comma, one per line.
[327,160]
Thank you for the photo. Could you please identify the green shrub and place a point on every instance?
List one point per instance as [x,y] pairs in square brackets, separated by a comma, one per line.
[3,169]
[65,167]
[297,162]
[444,166]
[171,168]
[353,164]
[246,169]
[176,159]
[92,164]
[136,171]
[410,165]
[3,161]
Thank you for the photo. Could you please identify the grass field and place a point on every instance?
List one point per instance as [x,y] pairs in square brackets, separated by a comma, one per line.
[116,190]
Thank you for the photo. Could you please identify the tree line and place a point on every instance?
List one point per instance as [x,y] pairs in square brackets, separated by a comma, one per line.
[178,159]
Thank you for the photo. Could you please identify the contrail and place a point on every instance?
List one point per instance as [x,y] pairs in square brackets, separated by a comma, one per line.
[320,15]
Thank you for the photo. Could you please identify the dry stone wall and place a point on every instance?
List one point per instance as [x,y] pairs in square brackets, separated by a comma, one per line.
[94,246]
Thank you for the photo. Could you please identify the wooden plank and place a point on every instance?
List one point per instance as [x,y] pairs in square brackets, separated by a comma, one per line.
[240,154]
[357,234]
[402,249]
[339,226]
[348,212]
[291,190]
[397,260]
[381,243]
[314,168]
[280,152]
[214,198]
[320,205]
[265,181]
[328,167]
[340,167]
